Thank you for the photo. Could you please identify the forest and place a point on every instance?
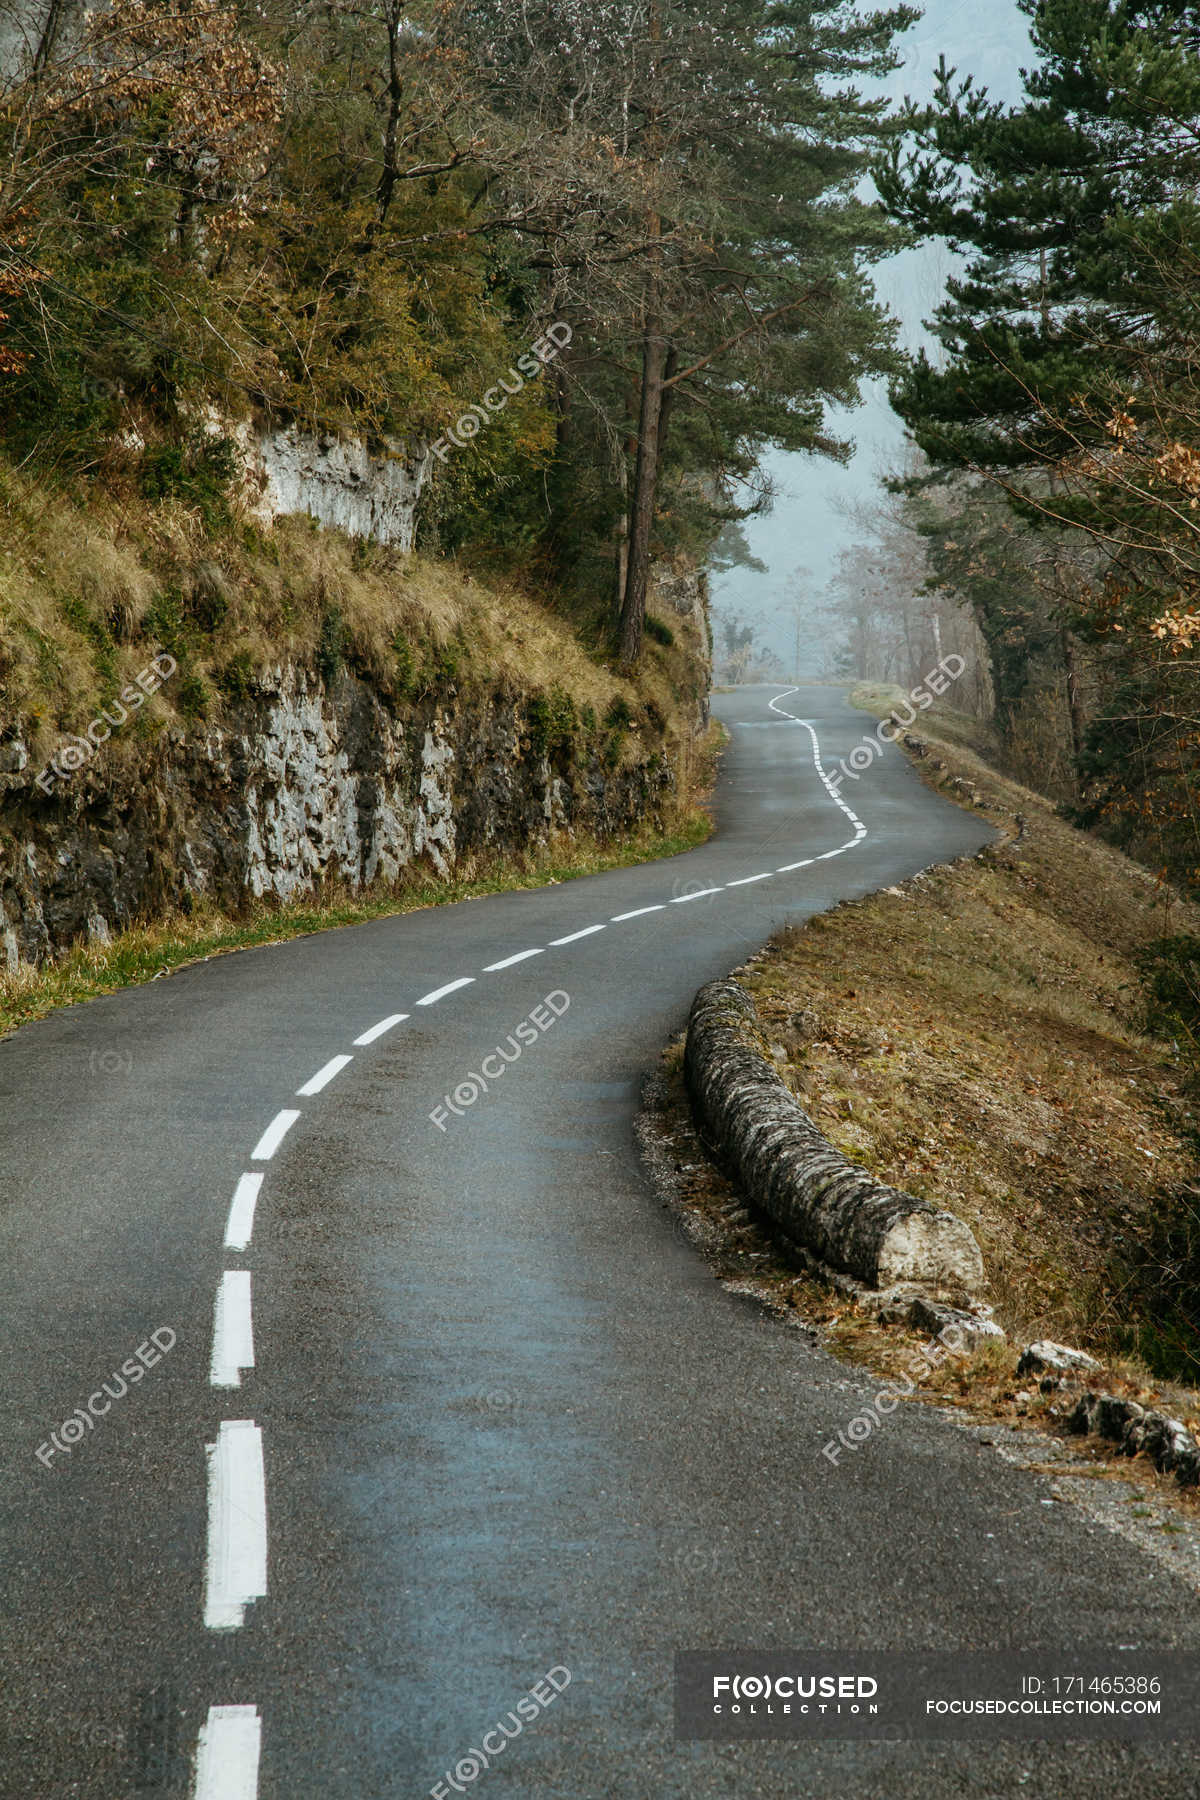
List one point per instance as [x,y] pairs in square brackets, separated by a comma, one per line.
[360,216]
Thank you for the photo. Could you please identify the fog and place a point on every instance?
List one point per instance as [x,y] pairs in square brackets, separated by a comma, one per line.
[806,529]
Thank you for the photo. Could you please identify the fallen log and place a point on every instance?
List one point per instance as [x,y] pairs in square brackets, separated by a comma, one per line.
[829,1206]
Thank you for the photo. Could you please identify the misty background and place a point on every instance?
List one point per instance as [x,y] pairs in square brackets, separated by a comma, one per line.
[800,540]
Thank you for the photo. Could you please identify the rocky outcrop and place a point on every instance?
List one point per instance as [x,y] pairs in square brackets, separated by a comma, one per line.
[299,782]
[1048,1358]
[1139,1431]
[975,1327]
[681,590]
[337,481]
[834,1210]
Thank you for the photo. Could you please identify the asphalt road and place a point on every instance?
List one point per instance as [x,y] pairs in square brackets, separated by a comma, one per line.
[500,1418]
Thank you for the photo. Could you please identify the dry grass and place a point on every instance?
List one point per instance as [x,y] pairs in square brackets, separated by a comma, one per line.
[87,595]
[975,1037]
[750,1259]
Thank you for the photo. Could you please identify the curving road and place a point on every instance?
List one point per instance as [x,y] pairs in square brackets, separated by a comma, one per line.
[423,1397]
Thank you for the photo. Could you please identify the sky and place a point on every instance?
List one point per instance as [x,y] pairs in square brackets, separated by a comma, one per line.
[805,530]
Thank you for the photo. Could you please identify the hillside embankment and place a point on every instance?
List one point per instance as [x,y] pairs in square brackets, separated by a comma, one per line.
[203,719]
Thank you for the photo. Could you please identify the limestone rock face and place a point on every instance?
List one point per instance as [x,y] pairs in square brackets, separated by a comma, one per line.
[299,782]
[339,482]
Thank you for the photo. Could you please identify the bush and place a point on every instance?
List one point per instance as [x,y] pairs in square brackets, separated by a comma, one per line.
[192,697]
[1159,1283]
[197,471]
[406,665]
[236,679]
[98,635]
[164,622]
[1171,967]
[550,720]
[659,630]
[331,644]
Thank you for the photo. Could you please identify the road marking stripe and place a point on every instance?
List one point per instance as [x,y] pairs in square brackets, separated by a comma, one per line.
[233,1330]
[377,1031]
[701,894]
[227,1754]
[521,956]
[236,1569]
[451,987]
[818,765]
[240,1224]
[788,867]
[575,936]
[273,1136]
[619,918]
[745,880]
[324,1076]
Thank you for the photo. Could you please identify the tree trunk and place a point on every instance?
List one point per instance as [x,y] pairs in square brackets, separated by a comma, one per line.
[645,487]
[386,185]
[48,37]
[670,369]
[1074,704]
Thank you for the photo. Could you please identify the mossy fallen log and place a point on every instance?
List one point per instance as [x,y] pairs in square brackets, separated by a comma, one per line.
[833,1209]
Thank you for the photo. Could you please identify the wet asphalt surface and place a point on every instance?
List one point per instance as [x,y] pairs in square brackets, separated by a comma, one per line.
[510,1422]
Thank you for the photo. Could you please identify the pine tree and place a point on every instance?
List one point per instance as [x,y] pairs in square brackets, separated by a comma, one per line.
[1069,206]
[708,214]
[1070,348]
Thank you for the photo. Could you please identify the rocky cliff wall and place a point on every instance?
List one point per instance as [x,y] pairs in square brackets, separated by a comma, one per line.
[300,782]
[335,480]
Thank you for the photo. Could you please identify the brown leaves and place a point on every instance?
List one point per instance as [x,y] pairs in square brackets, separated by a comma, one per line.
[223,96]
[1178,629]
[1178,466]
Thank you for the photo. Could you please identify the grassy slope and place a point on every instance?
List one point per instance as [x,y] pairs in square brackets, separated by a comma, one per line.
[88,594]
[976,1037]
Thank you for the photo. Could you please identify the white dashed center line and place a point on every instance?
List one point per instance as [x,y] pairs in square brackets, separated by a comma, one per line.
[230,1742]
[377,1031]
[233,1330]
[324,1076]
[521,956]
[236,1572]
[240,1224]
[273,1136]
[451,987]
[227,1754]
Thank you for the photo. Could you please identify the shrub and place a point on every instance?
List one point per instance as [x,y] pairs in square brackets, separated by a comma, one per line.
[550,720]
[331,644]
[236,679]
